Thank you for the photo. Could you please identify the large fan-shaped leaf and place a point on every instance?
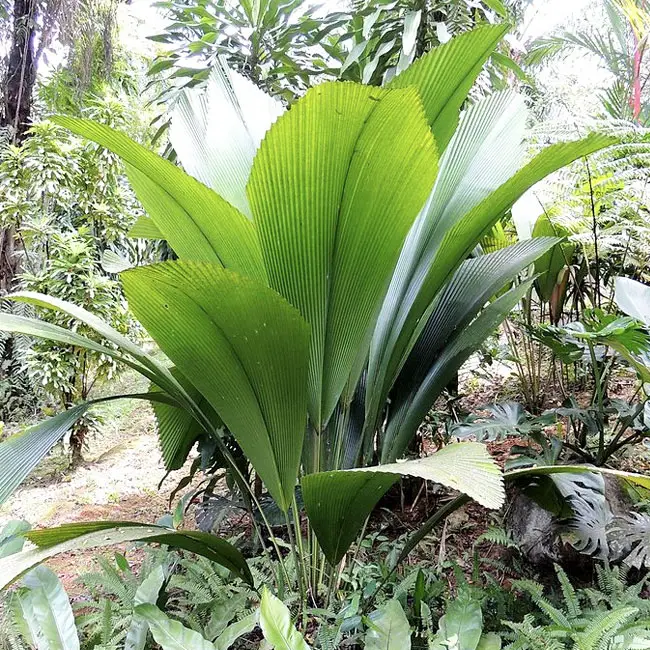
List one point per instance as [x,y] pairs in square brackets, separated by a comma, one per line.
[474,283]
[445,75]
[407,414]
[338,502]
[178,428]
[242,347]
[492,128]
[335,186]
[85,535]
[217,128]
[198,223]
[459,212]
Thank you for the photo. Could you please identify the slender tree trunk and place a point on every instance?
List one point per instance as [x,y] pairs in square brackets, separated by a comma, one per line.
[17,89]
[21,70]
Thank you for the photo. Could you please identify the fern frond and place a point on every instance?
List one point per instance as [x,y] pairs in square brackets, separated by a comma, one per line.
[570,597]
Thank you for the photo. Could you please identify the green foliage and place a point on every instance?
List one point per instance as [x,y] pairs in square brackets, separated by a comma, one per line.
[600,340]
[235,312]
[70,203]
[52,541]
[615,618]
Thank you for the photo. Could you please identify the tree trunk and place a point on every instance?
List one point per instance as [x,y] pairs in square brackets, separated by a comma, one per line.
[16,108]
[77,443]
[18,87]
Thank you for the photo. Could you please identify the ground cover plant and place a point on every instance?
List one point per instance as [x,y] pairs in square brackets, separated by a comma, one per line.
[300,293]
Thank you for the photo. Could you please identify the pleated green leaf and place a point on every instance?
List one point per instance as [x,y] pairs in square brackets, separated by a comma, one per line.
[217,128]
[143,362]
[145,228]
[22,452]
[338,502]
[475,282]
[198,224]
[492,129]
[91,534]
[178,428]
[335,186]
[413,407]
[472,192]
[243,347]
[445,75]
[168,633]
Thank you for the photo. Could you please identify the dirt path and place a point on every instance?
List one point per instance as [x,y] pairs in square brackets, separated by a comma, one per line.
[118,480]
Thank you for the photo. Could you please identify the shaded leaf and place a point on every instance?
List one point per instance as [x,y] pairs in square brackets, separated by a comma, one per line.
[242,347]
[61,539]
[390,630]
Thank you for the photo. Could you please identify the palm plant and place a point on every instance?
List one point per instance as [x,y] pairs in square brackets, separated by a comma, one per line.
[325,296]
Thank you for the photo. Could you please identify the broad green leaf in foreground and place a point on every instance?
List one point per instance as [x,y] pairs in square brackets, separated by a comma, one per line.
[275,621]
[461,626]
[46,602]
[390,630]
[79,536]
[338,502]
[235,630]
[147,592]
[243,347]
[168,633]
[335,187]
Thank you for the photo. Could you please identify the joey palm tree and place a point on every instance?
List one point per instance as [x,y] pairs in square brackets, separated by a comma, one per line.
[324,291]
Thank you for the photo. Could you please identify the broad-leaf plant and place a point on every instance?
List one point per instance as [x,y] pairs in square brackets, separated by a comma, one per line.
[326,288]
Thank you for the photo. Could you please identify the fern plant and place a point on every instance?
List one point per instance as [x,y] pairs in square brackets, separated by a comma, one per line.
[613,617]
